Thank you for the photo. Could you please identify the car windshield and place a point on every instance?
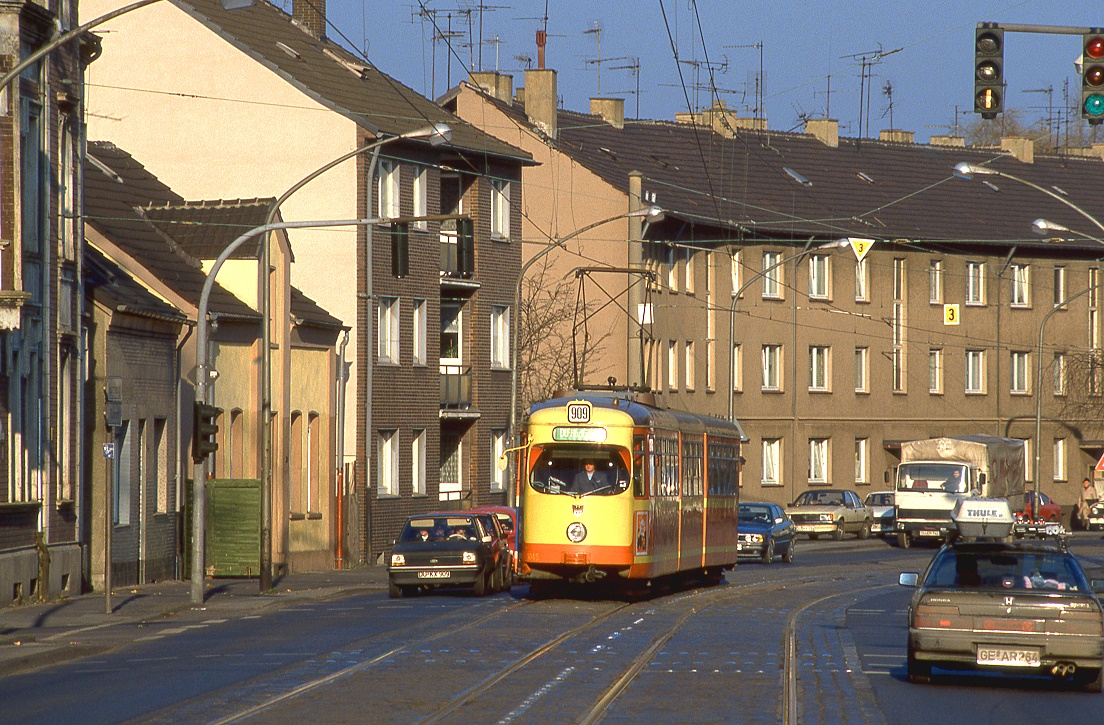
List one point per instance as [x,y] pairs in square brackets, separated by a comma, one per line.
[441,528]
[950,477]
[1006,569]
[879,499]
[579,471]
[820,498]
[758,514]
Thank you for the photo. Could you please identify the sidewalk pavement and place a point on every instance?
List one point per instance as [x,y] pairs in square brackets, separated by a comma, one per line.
[40,634]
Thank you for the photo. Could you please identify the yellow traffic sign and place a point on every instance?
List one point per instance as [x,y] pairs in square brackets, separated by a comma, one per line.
[860,246]
[950,314]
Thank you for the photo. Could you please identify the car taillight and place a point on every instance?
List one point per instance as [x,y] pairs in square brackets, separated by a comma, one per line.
[931,616]
[1077,623]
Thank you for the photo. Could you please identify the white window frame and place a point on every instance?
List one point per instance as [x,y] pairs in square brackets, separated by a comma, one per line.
[1029,460]
[1059,374]
[820,368]
[688,359]
[819,460]
[459,359]
[771,368]
[387,482]
[672,365]
[388,330]
[735,272]
[688,270]
[737,368]
[420,193]
[1019,372]
[418,332]
[500,337]
[975,284]
[862,281]
[500,208]
[974,377]
[935,371]
[672,268]
[1059,286]
[710,365]
[862,467]
[862,370]
[418,463]
[1060,473]
[772,462]
[1020,277]
[387,189]
[935,281]
[498,449]
[820,277]
[774,279]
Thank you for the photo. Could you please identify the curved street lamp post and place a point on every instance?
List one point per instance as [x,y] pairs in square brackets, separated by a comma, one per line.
[837,244]
[436,134]
[650,214]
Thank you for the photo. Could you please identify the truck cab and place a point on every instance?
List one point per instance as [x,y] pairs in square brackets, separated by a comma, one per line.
[927,493]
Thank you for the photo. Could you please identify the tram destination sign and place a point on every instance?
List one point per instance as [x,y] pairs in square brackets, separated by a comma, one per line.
[579,435]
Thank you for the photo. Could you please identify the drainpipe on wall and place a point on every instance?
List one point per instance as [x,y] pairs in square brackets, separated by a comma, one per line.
[369,364]
[339,522]
[181,460]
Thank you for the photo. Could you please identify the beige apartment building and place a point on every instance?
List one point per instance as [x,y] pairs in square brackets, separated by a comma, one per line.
[833,360]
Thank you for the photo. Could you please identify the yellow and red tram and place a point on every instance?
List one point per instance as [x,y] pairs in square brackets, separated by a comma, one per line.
[662,498]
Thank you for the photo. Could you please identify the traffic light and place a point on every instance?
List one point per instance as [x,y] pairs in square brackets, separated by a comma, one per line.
[988,70]
[204,428]
[1092,77]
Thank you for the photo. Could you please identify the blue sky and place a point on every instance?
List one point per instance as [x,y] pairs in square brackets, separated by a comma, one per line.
[804,45]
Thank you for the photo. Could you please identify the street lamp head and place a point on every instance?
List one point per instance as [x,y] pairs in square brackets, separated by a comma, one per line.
[651,214]
[437,134]
[967,171]
[1042,227]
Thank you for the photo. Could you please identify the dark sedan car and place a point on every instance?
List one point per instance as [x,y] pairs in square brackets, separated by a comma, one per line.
[446,549]
[765,532]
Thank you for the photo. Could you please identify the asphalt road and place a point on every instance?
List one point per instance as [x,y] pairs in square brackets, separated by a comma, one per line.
[821,640]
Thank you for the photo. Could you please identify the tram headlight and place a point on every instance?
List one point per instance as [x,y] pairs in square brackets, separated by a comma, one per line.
[576,532]
[398,560]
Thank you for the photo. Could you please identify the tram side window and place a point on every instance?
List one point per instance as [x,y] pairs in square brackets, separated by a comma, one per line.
[638,466]
[722,469]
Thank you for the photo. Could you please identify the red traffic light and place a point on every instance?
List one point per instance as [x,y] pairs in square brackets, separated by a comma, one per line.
[1094,47]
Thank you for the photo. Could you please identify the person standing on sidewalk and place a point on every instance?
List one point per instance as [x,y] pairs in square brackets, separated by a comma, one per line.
[1085,502]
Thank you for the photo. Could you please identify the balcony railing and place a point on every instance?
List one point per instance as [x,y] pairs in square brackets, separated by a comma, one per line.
[456,386]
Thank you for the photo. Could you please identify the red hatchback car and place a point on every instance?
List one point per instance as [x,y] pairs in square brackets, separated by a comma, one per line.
[1048,510]
[508,517]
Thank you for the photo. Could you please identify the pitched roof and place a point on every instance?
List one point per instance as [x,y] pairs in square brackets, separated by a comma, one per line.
[864,187]
[169,235]
[335,77]
[109,284]
[115,187]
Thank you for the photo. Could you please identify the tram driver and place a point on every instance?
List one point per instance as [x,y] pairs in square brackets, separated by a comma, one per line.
[589,479]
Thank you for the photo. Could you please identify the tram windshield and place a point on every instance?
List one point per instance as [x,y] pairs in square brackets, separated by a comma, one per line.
[579,471]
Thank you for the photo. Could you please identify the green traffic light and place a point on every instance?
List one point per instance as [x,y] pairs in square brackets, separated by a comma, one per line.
[1094,105]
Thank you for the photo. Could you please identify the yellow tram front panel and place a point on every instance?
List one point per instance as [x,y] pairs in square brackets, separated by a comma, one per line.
[564,530]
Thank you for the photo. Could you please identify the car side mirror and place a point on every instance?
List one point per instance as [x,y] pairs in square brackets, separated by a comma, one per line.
[981,480]
[487,539]
[779,520]
[908,579]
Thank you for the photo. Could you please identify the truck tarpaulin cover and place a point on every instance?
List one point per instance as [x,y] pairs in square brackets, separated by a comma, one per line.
[1001,459]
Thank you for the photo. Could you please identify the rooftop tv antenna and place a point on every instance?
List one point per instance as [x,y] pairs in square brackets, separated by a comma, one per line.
[867,60]
[633,65]
[757,111]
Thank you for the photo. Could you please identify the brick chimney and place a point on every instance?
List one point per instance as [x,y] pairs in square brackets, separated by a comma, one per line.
[889,134]
[495,84]
[825,130]
[957,141]
[610,110]
[311,16]
[541,99]
[1021,149]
